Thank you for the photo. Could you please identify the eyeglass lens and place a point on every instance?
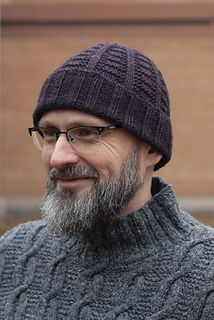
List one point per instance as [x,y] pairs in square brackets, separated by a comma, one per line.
[81,137]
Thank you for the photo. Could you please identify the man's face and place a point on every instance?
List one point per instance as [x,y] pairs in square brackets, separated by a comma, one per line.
[90,185]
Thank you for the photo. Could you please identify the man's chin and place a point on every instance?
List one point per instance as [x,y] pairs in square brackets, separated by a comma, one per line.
[69,210]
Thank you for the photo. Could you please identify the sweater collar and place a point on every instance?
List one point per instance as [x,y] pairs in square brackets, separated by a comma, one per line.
[159,223]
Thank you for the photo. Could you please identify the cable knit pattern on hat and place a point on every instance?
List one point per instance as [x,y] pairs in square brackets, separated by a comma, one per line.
[116,83]
[156,263]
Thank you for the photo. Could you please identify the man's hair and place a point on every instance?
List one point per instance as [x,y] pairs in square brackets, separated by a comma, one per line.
[116,83]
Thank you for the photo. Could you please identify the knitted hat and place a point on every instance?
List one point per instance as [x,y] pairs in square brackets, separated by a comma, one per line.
[116,83]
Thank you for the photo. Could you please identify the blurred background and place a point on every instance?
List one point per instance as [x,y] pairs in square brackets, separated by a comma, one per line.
[38,35]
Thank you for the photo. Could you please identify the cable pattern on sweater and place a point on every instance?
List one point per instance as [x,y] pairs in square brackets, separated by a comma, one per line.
[154,264]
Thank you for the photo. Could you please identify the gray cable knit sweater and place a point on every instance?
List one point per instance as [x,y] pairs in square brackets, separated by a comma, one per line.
[156,263]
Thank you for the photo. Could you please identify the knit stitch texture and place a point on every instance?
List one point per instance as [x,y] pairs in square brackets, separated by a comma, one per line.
[156,263]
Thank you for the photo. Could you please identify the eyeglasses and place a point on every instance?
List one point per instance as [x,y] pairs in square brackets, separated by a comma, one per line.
[82,138]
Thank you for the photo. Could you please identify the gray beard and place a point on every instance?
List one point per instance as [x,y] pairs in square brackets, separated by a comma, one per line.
[67,214]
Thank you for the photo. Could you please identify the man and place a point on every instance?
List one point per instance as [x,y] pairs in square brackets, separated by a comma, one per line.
[113,243]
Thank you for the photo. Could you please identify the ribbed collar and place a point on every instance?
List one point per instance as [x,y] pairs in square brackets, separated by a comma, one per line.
[157,225]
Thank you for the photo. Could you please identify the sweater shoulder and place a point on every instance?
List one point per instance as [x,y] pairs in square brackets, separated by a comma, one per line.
[199,244]
[201,231]
[21,233]
[194,228]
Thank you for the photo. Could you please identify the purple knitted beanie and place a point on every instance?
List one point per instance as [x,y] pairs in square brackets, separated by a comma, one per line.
[116,83]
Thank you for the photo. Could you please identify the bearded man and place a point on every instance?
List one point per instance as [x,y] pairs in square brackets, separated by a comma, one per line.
[113,242]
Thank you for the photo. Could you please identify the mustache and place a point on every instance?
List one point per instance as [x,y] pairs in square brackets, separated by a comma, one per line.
[75,171]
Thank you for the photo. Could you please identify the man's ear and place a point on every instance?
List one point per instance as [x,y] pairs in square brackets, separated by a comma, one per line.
[154,156]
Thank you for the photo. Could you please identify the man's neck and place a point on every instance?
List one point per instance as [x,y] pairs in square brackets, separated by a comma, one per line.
[142,196]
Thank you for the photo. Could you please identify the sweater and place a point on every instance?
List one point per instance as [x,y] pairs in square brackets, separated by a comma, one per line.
[153,264]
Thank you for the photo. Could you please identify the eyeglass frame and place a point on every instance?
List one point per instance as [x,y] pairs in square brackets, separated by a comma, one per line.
[99,129]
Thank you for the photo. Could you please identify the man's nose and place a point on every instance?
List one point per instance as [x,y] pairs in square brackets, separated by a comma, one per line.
[63,153]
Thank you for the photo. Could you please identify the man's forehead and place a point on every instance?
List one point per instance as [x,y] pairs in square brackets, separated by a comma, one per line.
[71,117]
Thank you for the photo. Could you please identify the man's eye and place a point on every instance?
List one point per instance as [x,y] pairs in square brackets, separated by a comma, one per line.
[85,133]
[48,133]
